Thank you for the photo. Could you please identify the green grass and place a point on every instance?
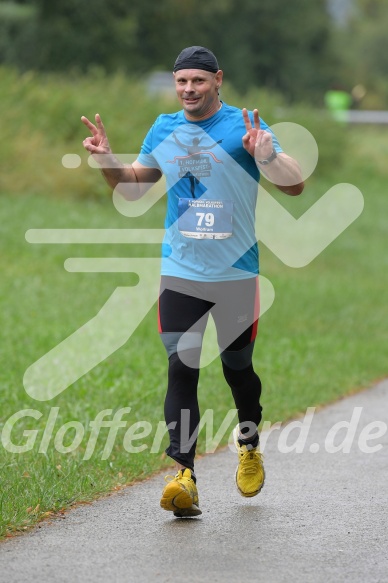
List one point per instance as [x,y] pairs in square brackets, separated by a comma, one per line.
[324,336]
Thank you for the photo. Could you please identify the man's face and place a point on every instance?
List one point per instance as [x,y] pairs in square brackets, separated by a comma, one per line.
[197,90]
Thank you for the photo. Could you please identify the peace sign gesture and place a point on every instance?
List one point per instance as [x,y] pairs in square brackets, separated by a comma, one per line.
[256,141]
[97,143]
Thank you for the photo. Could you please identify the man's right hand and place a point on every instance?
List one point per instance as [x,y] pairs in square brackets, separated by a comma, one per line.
[117,175]
[98,142]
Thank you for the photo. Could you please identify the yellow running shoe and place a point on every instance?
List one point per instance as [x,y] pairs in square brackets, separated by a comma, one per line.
[250,473]
[180,495]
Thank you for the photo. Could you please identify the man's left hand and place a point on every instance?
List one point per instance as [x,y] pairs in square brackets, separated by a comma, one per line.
[256,141]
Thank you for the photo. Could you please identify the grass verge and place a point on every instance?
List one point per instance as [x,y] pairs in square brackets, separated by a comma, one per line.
[325,336]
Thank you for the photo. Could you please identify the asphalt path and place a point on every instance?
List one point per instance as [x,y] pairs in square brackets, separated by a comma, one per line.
[322,516]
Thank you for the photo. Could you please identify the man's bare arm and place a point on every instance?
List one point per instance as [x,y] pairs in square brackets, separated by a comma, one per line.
[285,173]
[114,171]
[119,176]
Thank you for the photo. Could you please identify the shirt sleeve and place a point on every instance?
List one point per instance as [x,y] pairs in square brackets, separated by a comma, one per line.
[146,156]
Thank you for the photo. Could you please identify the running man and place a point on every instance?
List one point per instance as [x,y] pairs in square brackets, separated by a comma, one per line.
[209,254]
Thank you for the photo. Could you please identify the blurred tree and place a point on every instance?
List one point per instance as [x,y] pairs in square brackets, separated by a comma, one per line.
[372,25]
[282,45]
[363,46]
[14,18]
[75,34]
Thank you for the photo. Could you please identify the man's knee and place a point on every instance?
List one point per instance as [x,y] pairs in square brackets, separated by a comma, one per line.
[237,360]
[186,345]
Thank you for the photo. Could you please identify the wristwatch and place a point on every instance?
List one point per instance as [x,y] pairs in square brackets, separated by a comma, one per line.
[268,160]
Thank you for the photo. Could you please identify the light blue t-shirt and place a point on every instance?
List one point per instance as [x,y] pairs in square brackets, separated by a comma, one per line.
[212,186]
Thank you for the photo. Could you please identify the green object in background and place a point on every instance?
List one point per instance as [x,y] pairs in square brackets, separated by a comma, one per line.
[338,102]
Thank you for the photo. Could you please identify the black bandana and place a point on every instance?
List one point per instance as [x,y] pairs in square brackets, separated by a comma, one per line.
[196,58]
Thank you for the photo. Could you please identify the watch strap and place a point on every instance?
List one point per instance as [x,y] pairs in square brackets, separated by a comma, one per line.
[268,160]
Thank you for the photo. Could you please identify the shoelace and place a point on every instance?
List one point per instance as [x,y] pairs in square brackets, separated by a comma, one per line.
[171,478]
[250,460]
[178,476]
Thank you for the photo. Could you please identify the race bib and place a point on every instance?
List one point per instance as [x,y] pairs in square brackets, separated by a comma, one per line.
[205,219]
